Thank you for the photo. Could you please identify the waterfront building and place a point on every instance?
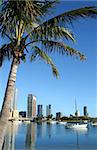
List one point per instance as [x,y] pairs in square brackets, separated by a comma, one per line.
[48,110]
[31,106]
[85,111]
[58,115]
[15,98]
[14,111]
[22,114]
[40,111]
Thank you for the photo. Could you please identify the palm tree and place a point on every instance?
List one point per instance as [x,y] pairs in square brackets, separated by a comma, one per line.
[27,31]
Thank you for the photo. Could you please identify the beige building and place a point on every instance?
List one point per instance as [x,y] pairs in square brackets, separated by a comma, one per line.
[15,113]
[31,106]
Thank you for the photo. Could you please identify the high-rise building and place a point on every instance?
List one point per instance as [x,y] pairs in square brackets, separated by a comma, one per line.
[14,110]
[85,111]
[40,111]
[15,98]
[58,115]
[31,108]
[48,110]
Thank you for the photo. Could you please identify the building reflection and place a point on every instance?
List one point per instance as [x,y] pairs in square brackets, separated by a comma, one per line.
[44,130]
[78,133]
[9,141]
[39,130]
[49,130]
[31,136]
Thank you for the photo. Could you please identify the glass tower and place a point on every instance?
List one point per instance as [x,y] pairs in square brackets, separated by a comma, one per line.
[40,111]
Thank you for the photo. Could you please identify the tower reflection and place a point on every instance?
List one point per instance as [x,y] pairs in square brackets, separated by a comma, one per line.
[49,130]
[9,141]
[31,136]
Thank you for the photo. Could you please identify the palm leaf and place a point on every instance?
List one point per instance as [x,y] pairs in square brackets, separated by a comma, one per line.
[52,28]
[62,48]
[41,54]
[47,5]
[59,47]
[69,16]
[5,53]
[52,33]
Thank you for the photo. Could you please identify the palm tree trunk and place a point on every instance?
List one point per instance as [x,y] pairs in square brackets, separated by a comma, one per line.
[9,93]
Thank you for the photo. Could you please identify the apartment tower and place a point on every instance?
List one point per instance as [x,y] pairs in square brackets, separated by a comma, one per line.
[31,107]
[48,110]
[85,111]
[40,111]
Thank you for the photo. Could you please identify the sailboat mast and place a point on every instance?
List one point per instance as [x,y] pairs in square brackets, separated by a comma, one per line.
[76,111]
[75,105]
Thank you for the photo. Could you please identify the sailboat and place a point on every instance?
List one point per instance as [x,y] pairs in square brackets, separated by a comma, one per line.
[76,124]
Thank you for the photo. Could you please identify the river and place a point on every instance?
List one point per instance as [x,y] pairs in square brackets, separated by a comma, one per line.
[33,136]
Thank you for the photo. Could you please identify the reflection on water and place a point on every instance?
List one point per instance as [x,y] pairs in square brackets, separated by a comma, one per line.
[78,132]
[9,141]
[49,130]
[32,136]
[39,130]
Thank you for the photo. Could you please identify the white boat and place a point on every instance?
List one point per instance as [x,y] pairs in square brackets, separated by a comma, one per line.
[26,121]
[94,124]
[61,122]
[52,122]
[76,125]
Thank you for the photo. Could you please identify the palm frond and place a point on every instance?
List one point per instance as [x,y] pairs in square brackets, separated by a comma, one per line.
[52,28]
[62,48]
[47,5]
[59,47]
[56,32]
[69,16]
[37,52]
[5,53]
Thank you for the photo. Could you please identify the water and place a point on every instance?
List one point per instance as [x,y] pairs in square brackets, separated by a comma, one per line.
[32,136]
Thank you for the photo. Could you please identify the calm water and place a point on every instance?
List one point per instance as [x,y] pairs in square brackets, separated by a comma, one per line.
[32,136]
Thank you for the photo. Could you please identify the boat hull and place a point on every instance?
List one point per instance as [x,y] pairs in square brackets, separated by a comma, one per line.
[76,126]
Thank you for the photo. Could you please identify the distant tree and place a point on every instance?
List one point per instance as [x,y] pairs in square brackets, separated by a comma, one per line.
[25,30]
[49,117]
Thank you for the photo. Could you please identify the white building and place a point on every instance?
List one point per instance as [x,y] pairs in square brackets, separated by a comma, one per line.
[14,110]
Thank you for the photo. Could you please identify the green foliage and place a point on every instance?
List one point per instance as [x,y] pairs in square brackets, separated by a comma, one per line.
[24,24]
[4,53]
[37,52]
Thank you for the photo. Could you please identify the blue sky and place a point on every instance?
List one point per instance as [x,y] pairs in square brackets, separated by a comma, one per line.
[77,79]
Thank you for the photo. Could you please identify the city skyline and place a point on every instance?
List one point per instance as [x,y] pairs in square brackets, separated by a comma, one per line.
[77,79]
[38,110]
[46,111]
